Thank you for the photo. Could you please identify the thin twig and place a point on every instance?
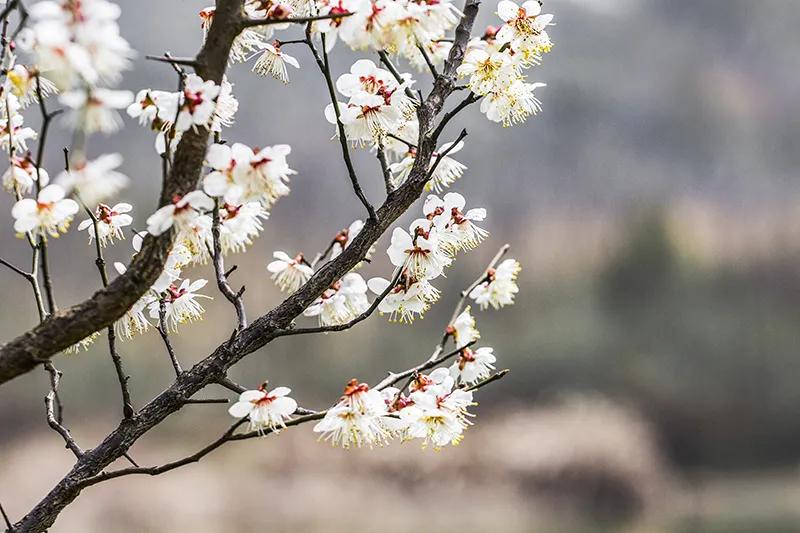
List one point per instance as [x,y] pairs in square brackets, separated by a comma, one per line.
[116,359]
[324,67]
[16,269]
[396,138]
[444,153]
[219,269]
[397,76]
[231,385]
[387,174]
[393,377]
[54,411]
[9,525]
[166,58]
[162,330]
[469,100]
[205,400]
[428,61]
[350,324]
[494,377]
[463,297]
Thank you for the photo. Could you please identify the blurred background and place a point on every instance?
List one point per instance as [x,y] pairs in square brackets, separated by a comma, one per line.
[653,349]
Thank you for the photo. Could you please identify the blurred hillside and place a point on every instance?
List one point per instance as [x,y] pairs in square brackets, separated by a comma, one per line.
[653,206]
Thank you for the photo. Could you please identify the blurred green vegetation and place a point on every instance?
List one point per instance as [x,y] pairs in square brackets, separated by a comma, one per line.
[711,356]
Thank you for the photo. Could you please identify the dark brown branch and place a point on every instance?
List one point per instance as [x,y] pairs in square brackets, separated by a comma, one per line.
[156,470]
[205,400]
[48,280]
[46,119]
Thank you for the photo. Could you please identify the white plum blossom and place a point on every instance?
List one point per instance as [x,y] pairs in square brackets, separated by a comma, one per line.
[487,72]
[407,300]
[77,43]
[181,304]
[21,81]
[357,420]
[473,366]
[273,61]
[394,25]
[342,302]
[447,170]
[438,413]
[95,110]
[241,175]
[513,104]
[289,273]
[179,213]
[134,320]
[179,256]
[94,181]
[49,214]
[197,103]
[499,287]
[239,225]
[149,106]
[524,27]
[12,133]
[420,253]
[377,103]
[21,175]
[266,410]
[457,230]
[110,221]
[227,106]
[345,237]
[463,329]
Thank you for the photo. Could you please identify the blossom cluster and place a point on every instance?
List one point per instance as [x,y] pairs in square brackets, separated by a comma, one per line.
[433,409]
[494,64]
[78,53]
